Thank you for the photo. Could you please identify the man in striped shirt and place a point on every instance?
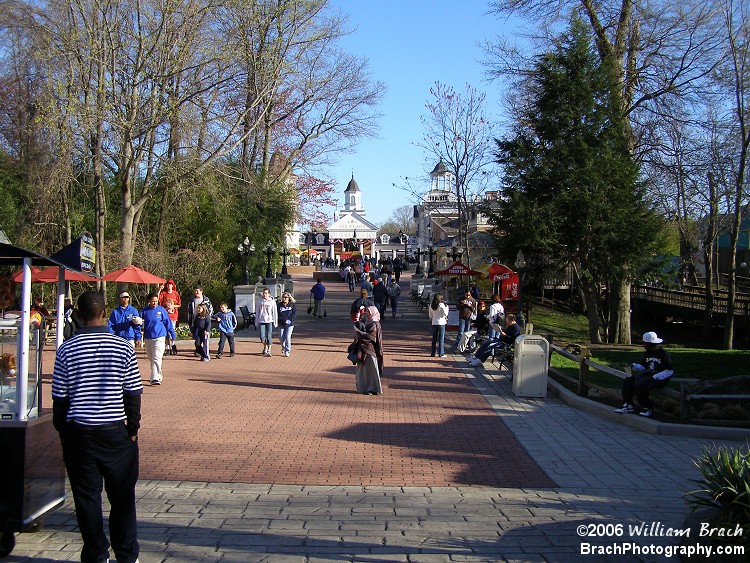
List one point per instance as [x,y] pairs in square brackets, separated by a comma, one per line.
[96,395]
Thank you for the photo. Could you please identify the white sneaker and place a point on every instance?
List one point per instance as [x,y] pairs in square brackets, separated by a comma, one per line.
[625,409]
[648,413]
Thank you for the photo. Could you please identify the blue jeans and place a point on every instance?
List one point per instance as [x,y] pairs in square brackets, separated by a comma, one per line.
[223,337]
[266,332]
[438,339]
[285,337]
[463,326]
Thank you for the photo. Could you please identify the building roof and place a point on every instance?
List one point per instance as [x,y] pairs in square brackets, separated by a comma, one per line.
[352,186]
[440,168]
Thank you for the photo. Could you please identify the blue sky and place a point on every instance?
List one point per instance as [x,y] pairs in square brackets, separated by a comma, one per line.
[410,45]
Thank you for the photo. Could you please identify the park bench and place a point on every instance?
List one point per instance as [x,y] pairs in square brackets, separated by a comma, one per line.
[248,318]
[424,300]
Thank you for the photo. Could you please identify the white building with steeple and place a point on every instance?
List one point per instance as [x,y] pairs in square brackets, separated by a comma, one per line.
[350,231]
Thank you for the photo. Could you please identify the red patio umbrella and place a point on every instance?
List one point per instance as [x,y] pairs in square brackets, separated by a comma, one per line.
[132,274]
[18,276]
[50,275]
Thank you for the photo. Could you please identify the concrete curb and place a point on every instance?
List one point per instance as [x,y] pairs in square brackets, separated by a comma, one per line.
[644,424]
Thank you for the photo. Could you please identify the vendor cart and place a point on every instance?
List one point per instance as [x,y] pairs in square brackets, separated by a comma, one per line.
[32,472]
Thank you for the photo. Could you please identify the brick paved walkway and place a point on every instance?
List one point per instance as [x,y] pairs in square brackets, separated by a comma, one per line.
[298,420]
[232,424]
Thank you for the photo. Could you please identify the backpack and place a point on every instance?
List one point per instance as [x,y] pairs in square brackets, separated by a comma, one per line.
[70,323]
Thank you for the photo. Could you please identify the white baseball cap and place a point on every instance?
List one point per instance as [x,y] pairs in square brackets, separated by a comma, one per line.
[651,338]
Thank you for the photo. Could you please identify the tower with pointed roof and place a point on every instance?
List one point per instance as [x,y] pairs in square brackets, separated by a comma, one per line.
[353,199]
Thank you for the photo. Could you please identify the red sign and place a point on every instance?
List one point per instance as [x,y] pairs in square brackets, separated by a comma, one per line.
[507,280]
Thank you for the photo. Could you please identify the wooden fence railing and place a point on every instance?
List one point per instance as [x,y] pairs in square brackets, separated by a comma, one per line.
[683,395]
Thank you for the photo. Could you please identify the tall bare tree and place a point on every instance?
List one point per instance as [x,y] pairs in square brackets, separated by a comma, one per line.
[458,132]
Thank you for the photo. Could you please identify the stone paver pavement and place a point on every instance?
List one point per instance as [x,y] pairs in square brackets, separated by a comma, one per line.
[257,459]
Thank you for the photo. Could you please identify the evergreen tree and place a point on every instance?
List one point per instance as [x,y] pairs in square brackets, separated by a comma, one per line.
[572,196]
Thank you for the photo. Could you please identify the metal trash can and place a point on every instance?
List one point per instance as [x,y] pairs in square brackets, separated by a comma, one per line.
[530,363]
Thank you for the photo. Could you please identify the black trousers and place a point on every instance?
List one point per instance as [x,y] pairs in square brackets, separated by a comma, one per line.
[103,455]
[639,385]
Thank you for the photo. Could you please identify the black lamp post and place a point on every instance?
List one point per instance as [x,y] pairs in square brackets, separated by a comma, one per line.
[418,271]
[284,253]
[246,249]
[270,251]
[520,265]
[405,240]
[310,235]
[432,253]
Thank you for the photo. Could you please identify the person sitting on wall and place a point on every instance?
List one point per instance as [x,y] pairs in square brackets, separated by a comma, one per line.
[653,372]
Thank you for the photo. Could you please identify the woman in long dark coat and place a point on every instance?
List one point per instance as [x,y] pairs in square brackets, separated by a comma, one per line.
[369,342]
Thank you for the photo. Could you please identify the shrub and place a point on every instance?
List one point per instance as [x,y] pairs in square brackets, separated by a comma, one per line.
[709,411]
[724,485]
[733,412]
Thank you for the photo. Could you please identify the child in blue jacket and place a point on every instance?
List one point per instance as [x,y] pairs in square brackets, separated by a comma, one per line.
[227,325]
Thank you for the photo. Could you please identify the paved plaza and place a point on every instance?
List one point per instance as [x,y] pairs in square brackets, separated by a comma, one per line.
[278,459]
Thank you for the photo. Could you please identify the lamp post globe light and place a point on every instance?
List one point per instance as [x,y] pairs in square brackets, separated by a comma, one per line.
[456,253]
[405,240]
[270,251]
[246,249]
[520,265]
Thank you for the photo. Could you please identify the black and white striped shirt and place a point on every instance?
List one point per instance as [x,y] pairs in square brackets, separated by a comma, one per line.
[94,370]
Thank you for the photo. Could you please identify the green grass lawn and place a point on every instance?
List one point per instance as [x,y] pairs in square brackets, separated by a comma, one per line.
[701,363]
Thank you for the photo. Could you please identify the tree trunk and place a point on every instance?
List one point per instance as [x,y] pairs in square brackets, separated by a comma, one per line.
[591,296]
[621,322]
[708,253]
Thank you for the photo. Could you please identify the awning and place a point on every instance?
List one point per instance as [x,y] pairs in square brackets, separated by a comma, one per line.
[458,269]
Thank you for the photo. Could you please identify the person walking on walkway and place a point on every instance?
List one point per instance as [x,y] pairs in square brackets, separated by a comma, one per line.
[351,278]
[380,295]
[368,346]
[157,327]
[201,331]
[653,372]
[266,318]
[319,293]
[287,315]
[438,312]
[467,307]
[366,284]
[198,298]
[394,291]
[96,404]
[227,325]
[169,298]
[123,321]
[361,302]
